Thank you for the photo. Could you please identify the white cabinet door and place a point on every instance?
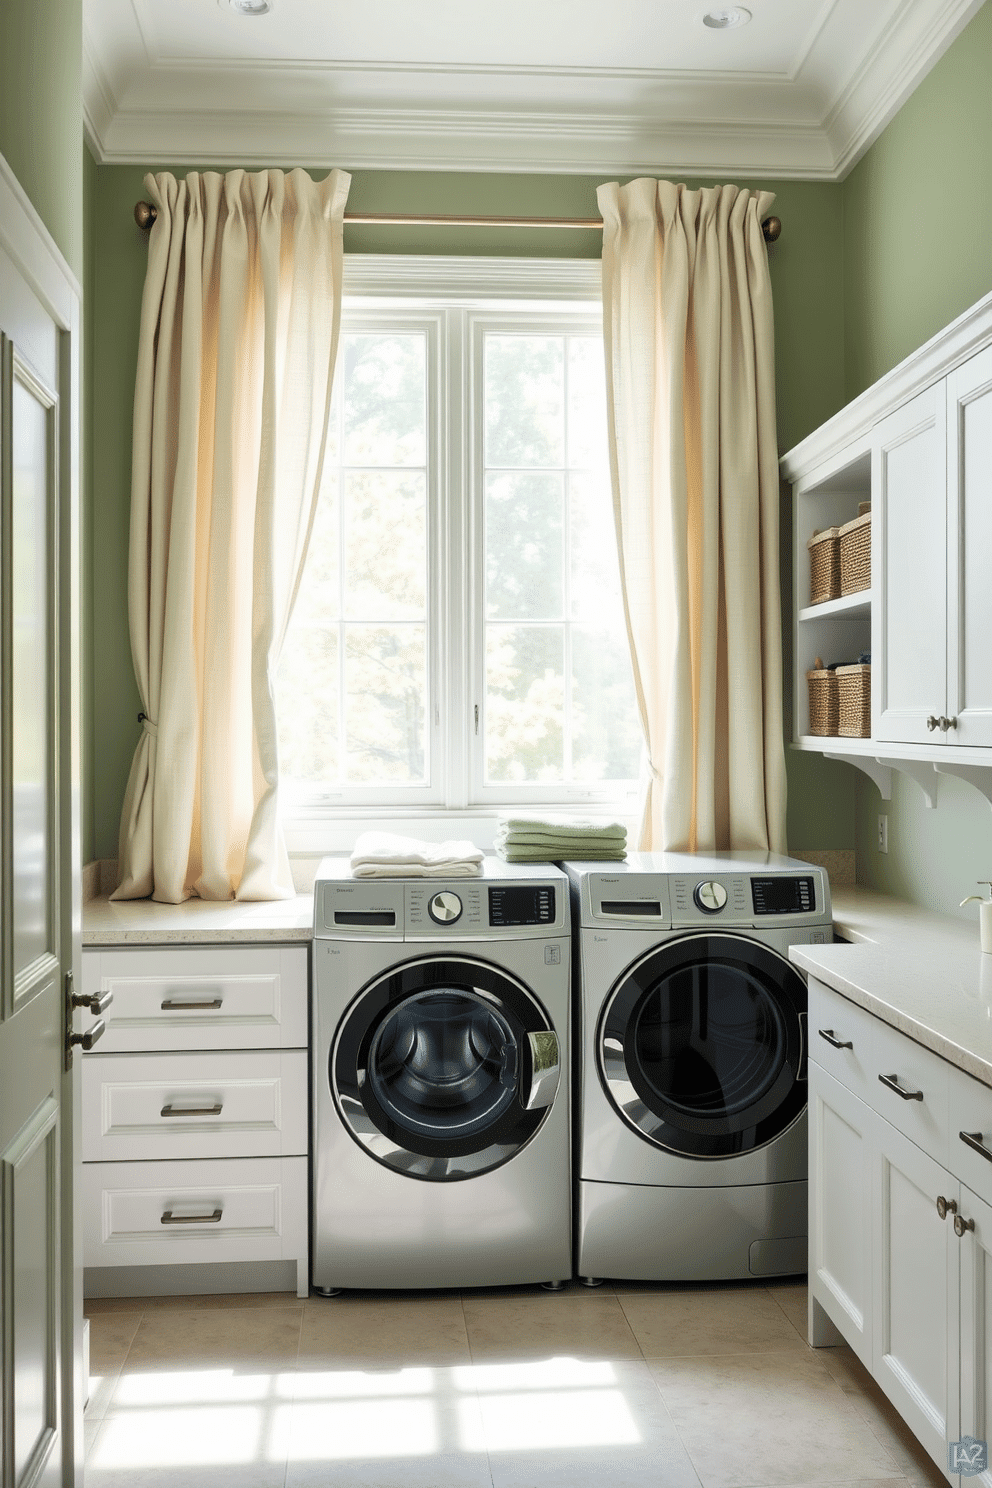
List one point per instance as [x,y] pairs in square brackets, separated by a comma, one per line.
[976,1322]
[969,544]
[909,546]
[840,1166]
[915,1291]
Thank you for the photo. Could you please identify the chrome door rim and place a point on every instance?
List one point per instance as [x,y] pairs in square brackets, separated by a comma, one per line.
[615,1075]
[349,1092]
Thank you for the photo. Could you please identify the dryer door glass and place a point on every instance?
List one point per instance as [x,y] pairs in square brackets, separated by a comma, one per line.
[444,1068]
[701,1046]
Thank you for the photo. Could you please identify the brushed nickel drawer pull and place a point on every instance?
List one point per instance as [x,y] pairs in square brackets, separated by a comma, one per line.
[171,1110]
[974,1141]
[170,1005]
[169,1218]
[891,1082]
[833,1041]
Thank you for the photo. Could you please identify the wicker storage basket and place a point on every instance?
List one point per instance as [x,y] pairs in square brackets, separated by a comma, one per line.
[855,555]
[824,712]
[824,565]
[854,701]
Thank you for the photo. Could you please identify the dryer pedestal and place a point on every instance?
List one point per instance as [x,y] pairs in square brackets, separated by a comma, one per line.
[637,1232]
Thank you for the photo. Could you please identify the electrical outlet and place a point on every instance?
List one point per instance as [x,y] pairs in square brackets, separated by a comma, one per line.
[883,833]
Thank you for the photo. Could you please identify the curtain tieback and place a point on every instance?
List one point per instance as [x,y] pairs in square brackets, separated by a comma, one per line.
[654,772]
[149,727]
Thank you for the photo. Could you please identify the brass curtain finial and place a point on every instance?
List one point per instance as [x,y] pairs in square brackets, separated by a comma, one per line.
[145,214]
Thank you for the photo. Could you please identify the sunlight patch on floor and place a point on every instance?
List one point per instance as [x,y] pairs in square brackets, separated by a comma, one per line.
[212,1417]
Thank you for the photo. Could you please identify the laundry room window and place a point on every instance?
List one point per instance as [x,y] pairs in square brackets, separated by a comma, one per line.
[458,638]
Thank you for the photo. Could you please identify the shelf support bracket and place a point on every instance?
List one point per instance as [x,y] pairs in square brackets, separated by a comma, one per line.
[925,775]
[876,770]
[980,776]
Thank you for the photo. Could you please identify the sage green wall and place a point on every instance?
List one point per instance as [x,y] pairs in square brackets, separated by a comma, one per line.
[807,272]
[41,116]
[917,229]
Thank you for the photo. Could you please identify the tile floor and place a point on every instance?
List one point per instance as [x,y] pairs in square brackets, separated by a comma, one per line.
[632,1387]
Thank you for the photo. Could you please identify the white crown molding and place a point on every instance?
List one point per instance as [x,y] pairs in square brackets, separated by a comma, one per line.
[897,64]
[464,140]
[464,279]
[966,335]
[28,243]
[395,115]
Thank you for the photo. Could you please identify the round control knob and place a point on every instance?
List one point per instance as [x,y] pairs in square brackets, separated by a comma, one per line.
[710,896]
[445,908]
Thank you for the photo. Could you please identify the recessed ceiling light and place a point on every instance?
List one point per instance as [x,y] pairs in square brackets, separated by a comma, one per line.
[247,7]
[721,20]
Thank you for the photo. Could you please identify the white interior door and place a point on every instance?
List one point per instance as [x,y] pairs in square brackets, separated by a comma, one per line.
[969,543]
[908,569]
[39,932]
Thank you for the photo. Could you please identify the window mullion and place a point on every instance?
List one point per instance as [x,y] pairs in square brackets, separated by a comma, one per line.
[455,625]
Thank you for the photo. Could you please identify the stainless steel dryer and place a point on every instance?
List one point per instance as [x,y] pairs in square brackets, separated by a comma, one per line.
[691,1036]
[440,1055]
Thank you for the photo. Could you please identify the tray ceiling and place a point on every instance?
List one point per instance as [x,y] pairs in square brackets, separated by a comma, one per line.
[519,85]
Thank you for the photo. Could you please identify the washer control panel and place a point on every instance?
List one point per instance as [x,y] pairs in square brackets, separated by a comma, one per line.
[697,899]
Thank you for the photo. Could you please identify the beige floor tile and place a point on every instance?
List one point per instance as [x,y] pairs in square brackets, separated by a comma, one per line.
[886,1424]
[384,1331]
[220,1301]
[717,1320]
[769,1418]
[548,1325]
[581,1423]
[236,1339]
[111,1336]
[413,1427]
[793,1298]
[91,1430]
[94,1306]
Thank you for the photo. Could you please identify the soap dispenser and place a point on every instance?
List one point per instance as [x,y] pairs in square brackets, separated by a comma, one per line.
[984,915]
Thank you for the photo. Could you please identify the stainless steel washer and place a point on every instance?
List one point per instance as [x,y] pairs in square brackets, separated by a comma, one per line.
[440,1057]
[690,1026]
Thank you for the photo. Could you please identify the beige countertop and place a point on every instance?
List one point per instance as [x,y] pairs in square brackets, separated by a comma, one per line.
[134,922]
[921,972]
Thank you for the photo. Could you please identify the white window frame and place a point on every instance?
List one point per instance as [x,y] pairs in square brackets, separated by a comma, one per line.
[465,295]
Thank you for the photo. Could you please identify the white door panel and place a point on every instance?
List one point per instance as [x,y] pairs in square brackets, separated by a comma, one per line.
[40,1297]
[908,562]
[969,543]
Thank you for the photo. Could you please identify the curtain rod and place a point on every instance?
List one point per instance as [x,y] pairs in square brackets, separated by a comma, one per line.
[145,214]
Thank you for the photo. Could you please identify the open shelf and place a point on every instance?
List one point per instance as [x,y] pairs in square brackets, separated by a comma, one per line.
[849,606]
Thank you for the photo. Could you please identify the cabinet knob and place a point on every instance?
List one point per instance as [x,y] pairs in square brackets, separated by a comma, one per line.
[933,722]
[946,1206]
[947,723]
[961,1226]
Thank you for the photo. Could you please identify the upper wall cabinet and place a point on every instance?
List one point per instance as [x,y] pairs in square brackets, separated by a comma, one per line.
[918,447]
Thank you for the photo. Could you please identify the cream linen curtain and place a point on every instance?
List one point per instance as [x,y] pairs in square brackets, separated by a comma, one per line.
[238,337]
[691,394]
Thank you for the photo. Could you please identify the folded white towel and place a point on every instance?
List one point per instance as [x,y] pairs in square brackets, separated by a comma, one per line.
[388,855]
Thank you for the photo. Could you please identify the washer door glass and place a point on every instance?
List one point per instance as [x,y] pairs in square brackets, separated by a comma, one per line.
[444,1068]
[444,1064]
[701,1046]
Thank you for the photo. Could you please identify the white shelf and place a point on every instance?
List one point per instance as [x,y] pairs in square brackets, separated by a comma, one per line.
[849,606]
[877,758]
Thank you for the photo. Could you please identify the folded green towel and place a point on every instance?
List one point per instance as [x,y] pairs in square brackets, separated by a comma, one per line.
[570,827]
[543,855]
[555,839]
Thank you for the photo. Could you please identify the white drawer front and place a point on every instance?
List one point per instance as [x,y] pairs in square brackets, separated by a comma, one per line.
[971,1114]
[840,1038]
[921,1111]
[230,1104]
[152,1214]
[213,998]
